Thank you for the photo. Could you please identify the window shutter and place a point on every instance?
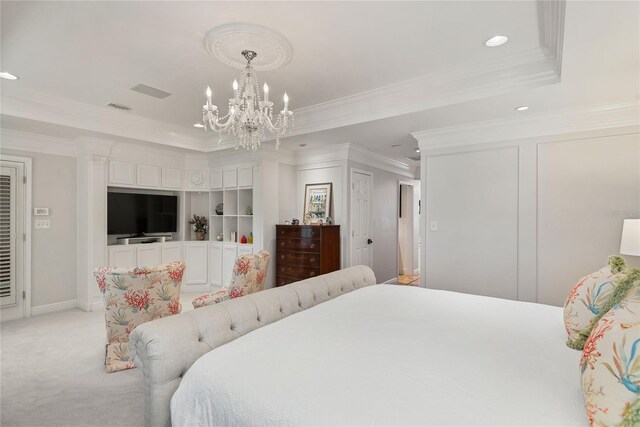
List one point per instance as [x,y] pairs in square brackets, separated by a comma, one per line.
[8,177]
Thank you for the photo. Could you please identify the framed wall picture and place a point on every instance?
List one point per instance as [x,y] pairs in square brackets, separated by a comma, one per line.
[317,201]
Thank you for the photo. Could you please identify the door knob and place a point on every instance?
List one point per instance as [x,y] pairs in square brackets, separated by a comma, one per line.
[369,241]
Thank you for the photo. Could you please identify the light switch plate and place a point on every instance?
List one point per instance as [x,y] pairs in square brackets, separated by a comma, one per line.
[434,226]
[41,211]
[42,223]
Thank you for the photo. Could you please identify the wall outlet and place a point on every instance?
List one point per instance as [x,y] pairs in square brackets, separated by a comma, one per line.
[42,223]
[433,226]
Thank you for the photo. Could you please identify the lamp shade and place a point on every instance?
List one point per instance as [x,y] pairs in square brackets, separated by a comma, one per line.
[630,242]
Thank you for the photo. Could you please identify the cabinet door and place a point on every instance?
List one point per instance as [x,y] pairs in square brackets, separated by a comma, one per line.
[228,260]
[215,264]
[245,176]
[122,256]
[171,252]
[216,179]
[245,250]
[230,177]
[171,178]
[121,173]
[148,176]
[148,255]
[197,179]
[195,257]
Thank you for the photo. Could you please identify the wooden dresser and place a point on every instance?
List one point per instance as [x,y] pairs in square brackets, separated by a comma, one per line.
[304,251]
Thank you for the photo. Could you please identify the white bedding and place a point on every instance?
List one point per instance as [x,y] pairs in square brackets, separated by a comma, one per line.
[392,355]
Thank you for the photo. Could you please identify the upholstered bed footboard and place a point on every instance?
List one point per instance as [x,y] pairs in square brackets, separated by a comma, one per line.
[165,348]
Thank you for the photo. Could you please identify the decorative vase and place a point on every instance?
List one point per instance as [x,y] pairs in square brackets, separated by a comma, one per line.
[250,238]
[200,235]
[243,239]
[249,210]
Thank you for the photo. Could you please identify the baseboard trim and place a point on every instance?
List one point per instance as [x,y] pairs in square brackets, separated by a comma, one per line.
[199,288]
[85,306]
[56,306]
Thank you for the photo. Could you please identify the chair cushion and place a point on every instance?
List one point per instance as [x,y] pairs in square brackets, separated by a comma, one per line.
[208,299]
[132,297]
[587,299]
[610,366]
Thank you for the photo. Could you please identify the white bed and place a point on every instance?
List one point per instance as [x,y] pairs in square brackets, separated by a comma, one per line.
[392,355]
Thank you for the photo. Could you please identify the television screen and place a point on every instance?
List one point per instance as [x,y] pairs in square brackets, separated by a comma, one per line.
[130,213]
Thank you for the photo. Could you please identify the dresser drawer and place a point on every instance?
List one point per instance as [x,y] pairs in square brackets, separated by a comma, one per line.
[299,258]
[306,232]
[309,245]
[283,280]
[297,271]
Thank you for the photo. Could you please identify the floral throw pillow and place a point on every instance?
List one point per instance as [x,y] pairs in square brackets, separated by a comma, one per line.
[132,297]
[610,367]
[586,300]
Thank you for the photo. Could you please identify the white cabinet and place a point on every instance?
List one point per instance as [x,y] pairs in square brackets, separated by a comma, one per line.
[196,259]
[171,252]
[148,255]
[197,179]
[245,250]
[229,254]
[230,177]
[245,176]
[148,176]
[215,264]
[171,178]
[216,179]
[122,256]
[121,173]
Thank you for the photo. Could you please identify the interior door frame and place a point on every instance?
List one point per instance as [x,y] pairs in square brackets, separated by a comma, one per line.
[413,186]
[350,235]
[26,252]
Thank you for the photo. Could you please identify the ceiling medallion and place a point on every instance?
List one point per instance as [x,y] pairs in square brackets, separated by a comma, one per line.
[249,116]
[226,41]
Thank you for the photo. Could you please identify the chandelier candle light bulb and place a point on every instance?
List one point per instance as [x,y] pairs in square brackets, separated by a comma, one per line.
[248,116]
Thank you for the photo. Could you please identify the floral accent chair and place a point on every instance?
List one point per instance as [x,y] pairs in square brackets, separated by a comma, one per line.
[132,297]
[249,273]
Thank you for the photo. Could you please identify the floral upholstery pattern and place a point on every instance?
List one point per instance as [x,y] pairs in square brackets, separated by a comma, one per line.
[132,297]
[587,299]
[610,366]
[248,277]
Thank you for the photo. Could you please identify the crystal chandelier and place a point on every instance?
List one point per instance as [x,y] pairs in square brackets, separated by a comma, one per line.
[248,116]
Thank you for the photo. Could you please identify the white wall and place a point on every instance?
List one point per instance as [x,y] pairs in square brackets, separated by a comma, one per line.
[473,198]
[53,250]
[287,193]
[526,219]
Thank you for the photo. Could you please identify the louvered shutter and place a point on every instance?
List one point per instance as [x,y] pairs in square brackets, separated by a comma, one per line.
[8,208]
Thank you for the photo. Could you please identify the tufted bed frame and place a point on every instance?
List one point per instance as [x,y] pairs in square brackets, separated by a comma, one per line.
[166,348]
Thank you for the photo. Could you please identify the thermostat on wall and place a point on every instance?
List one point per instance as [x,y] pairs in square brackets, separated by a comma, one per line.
[41,211]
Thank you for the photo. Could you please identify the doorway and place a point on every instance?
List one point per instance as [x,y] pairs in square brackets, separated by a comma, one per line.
[15,237]
[408,271]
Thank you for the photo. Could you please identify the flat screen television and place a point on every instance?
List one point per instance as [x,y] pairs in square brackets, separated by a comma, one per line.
[131,213]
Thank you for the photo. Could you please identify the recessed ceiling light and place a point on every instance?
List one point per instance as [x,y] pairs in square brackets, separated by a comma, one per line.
[198,125]
[496,41]
[396,145]
[417,150]
[302,145]
[8,76]
[522,108]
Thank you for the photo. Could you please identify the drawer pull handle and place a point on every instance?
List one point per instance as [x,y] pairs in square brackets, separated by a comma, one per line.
[313,273]
[312,259]
[281,243]
[313,245]
[282,256]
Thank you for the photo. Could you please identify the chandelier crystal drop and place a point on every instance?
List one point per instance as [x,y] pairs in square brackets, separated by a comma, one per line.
[249,116]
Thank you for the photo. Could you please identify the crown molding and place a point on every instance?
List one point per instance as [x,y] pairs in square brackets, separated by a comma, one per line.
[584,119]
[45,108]
[36,143]
[551,29]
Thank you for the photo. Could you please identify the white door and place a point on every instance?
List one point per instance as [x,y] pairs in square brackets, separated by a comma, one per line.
[229,255]
[148,255]
[12,227]
[171,252]
[122,256]
[361,238]
[196,260]
[215,264]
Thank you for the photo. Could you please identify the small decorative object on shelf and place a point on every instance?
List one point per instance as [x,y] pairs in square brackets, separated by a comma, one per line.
[329,221]
[243,239]
[249,210]
[220,237]
[219,208]
[200,226]
[233,236]
[295,221]
[319,222]
[307,218]
[250,240]
[287,222]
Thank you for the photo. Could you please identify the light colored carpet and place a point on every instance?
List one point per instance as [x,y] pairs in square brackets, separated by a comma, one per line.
[52,373]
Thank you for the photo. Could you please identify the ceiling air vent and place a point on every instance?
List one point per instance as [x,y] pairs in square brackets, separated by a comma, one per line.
[119,106]
[150,91]
[415,158]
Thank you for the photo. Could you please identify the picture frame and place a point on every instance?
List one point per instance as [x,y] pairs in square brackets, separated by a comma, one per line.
[317,201]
